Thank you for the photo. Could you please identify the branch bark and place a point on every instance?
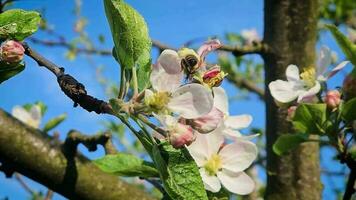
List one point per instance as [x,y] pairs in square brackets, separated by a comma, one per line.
[290,34]
[29,152]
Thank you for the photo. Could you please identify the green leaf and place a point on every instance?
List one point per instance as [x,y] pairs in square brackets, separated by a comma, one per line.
[7,71]
[288,142]
[130,34]
[310,118]
[123,164]
[348,112]
[52,123]
[179,173]
[223,194]
[18,24]
[143,77]
[345,44]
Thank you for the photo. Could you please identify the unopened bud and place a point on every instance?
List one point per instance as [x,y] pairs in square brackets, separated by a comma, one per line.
[181,135]
[214,77]
[208,122]
[332,99]
[12,51]
[349,87]
[291,112]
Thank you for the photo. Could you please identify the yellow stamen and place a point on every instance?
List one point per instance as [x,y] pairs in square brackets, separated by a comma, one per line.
[213,165]
[308,76]
[158,102]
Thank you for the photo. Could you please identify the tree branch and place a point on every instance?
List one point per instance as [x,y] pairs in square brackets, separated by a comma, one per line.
[29,152]
[70,86]
[351,164]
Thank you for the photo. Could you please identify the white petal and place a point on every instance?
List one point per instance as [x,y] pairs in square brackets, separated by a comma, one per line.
[324,60]
[311,92]
[207,47]
[236,135]
[36,113]
[238,183]
[191,101]
[21,114]
[238,121]
[221,101]
[283,91]
[292,73]
[237,156]
[211,183]
[170,61]
[204,146]
[337,69]
[162,81]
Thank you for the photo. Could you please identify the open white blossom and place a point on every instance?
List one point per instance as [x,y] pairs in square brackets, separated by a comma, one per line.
[168,96]
[307,84]
[31,118]
[224,164]
[230,125]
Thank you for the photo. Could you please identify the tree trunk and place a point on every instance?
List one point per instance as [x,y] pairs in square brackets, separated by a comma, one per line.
[290,34]
[30,152]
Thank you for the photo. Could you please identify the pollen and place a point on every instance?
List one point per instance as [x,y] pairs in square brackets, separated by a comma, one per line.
[158,102]
[213,165]
[308,76]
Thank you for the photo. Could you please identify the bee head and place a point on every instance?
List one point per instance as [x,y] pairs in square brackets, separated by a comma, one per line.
[189,60]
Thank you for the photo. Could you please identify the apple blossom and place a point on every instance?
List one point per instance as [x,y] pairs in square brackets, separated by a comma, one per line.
[230,125]
[332,98]
[179,134]
[250,36]
[224,165]
[31,118]
[208,122]
[12,51]
[189,101]
[307,84]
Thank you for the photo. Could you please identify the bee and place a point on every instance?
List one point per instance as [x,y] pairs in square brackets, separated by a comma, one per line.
[189,61]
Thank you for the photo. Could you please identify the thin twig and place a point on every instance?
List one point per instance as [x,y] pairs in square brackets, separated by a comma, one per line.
[70,86]
[49,195]
[23,184]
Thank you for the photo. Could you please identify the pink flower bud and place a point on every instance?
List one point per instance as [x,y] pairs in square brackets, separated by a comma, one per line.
[214,77]
[332,98]
[12,51]
[181,135]
[349,87]
[208,122]
[291,113]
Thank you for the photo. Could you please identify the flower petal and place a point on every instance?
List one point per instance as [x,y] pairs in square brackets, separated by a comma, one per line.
[283,91]
[221,100]
[238,121]
[324,61]
[208,122]
[207,47]
[21,114]
[170,61]
[236,135]
[164,82]
[211,183]
[238,183]
[204,146]
[337,68]
[237,156]
[191,101]
[292,73]
[311,92]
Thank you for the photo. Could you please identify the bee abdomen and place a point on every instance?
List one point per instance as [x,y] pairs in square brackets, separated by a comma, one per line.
[189,63]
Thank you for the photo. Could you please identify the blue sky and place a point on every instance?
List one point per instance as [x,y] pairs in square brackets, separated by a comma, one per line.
[172,22]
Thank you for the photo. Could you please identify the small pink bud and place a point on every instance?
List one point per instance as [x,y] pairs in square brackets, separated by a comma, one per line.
[332,98]
[208,122]
[12,51]
[214,77]
[181,135]
[349,87]
[291,112]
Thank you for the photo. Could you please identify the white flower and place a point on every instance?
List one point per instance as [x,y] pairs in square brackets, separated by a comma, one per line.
[31,118]
[230,125]
[250,36]
[224,165]
[189,101]
[307,84]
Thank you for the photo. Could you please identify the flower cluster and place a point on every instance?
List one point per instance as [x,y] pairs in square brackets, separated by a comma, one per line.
[193,110]
[307,87]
